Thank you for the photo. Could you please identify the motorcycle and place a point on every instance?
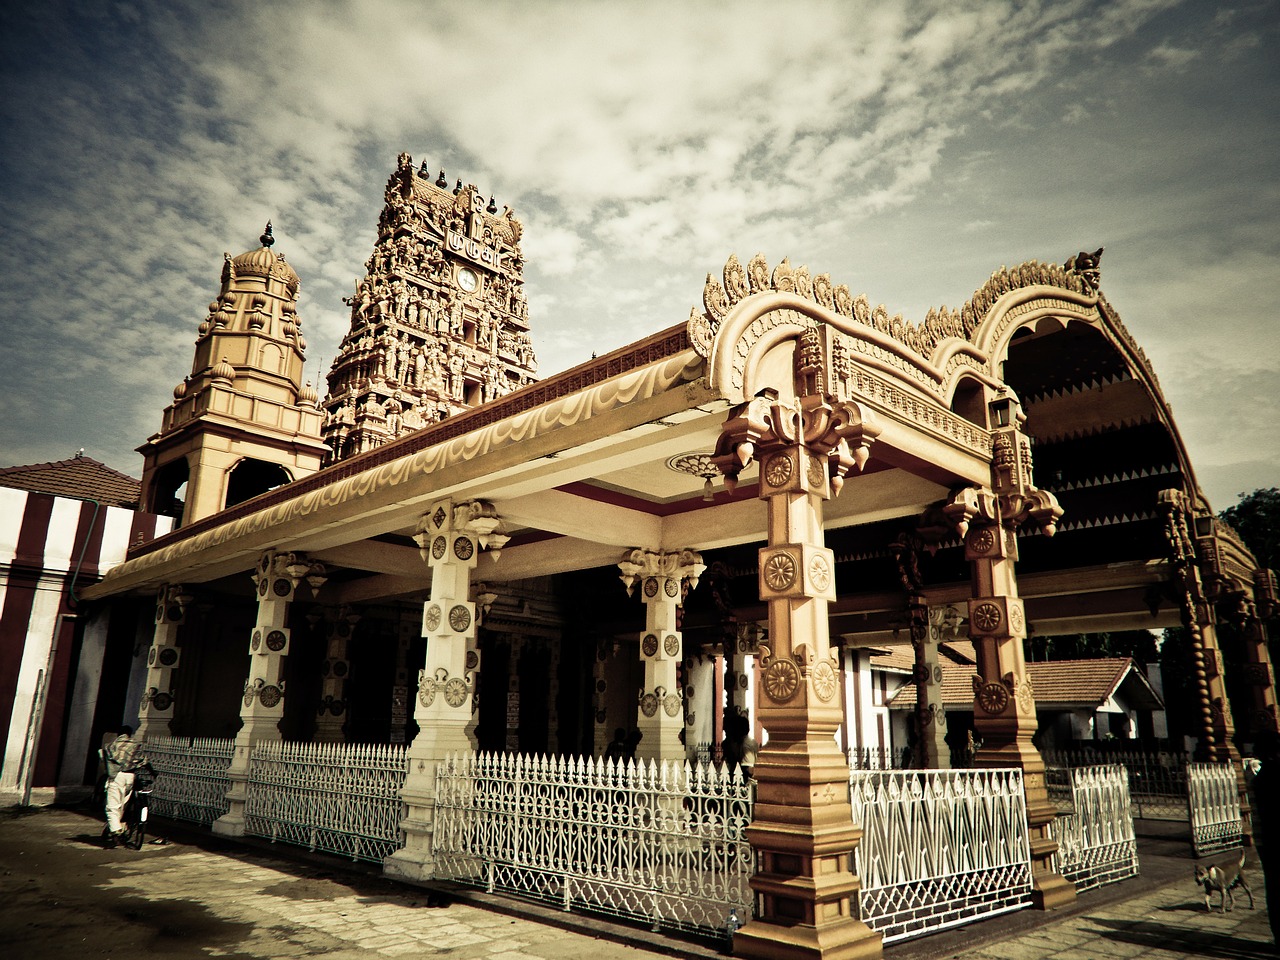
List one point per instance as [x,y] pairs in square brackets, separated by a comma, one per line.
[137,806]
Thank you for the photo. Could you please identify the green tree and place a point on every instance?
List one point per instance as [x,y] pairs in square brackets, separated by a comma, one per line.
[1256,517]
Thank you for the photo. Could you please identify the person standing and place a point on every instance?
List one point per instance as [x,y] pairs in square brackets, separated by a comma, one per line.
[121,757]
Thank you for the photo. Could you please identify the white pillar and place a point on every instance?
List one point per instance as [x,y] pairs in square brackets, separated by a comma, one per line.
[659,716]
[449,541]
[156,709]
[276,578]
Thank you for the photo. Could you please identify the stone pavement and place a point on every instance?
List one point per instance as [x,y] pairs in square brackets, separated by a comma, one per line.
[63,896]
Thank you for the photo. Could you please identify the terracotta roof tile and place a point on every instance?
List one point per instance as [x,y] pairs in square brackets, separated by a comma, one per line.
[80,478]
[1082,682]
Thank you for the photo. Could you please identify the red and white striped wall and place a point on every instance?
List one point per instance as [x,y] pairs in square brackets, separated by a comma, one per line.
[51,547]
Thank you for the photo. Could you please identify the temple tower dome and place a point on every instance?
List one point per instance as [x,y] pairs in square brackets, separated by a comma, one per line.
[242,422]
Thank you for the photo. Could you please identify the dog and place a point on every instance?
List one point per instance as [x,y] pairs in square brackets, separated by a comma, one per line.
[1224,878]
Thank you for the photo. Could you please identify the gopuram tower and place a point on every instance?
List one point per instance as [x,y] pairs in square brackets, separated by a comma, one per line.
[440,321]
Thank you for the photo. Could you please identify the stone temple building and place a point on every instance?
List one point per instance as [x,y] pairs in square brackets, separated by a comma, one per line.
[718,521]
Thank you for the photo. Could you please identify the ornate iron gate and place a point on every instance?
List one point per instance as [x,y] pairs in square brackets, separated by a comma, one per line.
[939,848]
[1214,804]
[191,776]
[340,798]
[664,843]
[1096,843]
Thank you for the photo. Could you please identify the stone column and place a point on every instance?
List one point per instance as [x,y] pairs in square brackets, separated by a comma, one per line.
[1259,671]
[443,705]
[1004,705]
[660,713]
[803,832]
[512,739]
[927,626]
[277,577]
[334,673]
[701,709]
[156,709]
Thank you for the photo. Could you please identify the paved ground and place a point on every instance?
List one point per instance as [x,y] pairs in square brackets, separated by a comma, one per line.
[63,896]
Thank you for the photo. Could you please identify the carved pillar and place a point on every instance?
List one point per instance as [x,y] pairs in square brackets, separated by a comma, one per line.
[1259,670]
[660,712]
[156,709]
[512,740]
[276,577]
[443,706]
[927,627]
[803,832]
[1004,705]
[701,705]
[331,714]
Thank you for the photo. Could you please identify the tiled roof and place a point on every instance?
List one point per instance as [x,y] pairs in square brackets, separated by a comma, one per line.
[903,657]
[1074,682]
[80,478]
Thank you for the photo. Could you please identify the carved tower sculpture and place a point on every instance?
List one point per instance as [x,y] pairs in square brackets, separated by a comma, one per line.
[440,321]
[242,422]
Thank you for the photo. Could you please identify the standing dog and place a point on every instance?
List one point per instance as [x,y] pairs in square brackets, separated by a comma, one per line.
[1223,877]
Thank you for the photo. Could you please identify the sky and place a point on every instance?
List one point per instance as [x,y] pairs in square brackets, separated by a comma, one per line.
[906,148]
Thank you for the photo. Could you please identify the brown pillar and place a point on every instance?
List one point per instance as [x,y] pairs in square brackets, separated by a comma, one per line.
[803,832]
[1259,671]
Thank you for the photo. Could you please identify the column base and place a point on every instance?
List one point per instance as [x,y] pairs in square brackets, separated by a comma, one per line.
[1051,891]
[228,826]
[410,866]
[850,940]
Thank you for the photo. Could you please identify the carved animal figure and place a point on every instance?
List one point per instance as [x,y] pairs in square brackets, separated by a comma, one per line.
[1223,878]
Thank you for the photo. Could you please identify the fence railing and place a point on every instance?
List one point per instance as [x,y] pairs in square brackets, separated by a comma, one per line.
[340,798]
[664,843]
[1096,842]
[1157,779]
[191,776]
[939,847]
[1213,801]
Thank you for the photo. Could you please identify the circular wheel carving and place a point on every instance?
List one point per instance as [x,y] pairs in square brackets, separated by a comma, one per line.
[1026,696]
[338,707]
[174,612]
[463,548]
[649,704]
[780,571]
[249,694]
[671,587]
[982,540]
[937,674]
[275,641]
[459,619]
[781,680]
[671,704]
[262,587]
[438,546]
[651,587]
[270,695]
[256,642]
[993,698]
[824,680]
[427,692]
[742,681]
[162,701]
[455,692]
[817,473]
[432,620]
[778,469]
[649,645]
[473,660]
[987,617]
[168,657]
[282,588]
[671,645]
[819,573]
[151,657]
[1015,617]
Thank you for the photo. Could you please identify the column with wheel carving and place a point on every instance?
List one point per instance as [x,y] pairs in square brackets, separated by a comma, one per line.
[660,709]
[156,709]
[803,831]
[276,578]
[443,702]
[331,712]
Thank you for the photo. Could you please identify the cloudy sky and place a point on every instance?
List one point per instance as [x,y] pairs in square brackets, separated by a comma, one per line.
[907,148]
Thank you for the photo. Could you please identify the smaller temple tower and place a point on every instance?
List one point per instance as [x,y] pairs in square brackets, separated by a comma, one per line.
[440,321]
[242,423]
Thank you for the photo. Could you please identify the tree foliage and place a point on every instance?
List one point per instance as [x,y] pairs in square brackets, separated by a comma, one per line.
[1256,517]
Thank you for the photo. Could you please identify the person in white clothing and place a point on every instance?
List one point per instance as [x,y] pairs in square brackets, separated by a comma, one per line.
[121,757]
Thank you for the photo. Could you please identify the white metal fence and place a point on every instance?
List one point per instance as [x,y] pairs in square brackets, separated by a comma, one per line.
[1213,800]
[337,797]
[939,848]
[665,843]
[191,776]
[1096,843]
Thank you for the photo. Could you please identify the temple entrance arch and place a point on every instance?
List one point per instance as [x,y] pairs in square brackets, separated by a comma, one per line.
[250,477]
